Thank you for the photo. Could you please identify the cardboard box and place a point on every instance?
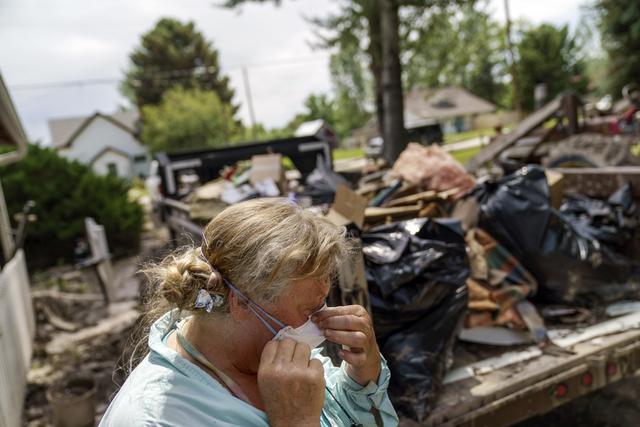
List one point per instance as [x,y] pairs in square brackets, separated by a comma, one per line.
[348,208]
[556,187]
[268,166]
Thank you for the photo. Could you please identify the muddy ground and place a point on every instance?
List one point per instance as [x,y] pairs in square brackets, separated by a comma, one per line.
[76,301]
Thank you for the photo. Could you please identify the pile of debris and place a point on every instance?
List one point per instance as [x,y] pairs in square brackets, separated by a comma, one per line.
[448,259]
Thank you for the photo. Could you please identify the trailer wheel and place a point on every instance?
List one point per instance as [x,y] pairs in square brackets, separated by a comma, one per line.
[571,161]
[592,150]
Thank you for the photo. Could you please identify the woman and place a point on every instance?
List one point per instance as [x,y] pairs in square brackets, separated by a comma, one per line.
[241,317]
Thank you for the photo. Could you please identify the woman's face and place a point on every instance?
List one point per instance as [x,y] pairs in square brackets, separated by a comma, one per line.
[302,299]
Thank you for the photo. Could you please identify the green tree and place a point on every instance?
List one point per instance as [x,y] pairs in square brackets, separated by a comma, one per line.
[380,23]
[66,192]
[619,22]
[174,54]
[549,55]
[459,46]
[351,88]
[188,119]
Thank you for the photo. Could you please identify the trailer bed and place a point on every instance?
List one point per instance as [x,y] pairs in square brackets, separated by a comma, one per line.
[517,385]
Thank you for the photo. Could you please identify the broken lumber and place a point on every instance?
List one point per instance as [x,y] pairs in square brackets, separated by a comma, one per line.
[111,325]
[502,142]
[372,214]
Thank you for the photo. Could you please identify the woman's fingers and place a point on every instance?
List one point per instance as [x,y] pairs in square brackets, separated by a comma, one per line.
[286,348]
[347,322]
[355,359]
[302,354]
[269,353]
[353,339]
[356,310]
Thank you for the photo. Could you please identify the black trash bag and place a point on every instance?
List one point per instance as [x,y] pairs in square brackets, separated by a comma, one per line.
[322,182]
[561,249]
[418,357]
[416,271]
[612,222]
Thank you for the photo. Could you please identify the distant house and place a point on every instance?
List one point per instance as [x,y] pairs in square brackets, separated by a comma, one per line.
[428,112]
[107,143]
[454,107]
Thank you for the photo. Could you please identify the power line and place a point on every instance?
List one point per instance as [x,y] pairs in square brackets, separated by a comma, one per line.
[168,76]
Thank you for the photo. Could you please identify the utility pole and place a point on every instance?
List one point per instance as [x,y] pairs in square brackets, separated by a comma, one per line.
[517,103]
[247,91]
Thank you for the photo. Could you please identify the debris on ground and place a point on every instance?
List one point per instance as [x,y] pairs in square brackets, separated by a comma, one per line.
[79,336]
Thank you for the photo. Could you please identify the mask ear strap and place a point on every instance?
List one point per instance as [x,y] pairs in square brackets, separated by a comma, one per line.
[264,322]
[254,306]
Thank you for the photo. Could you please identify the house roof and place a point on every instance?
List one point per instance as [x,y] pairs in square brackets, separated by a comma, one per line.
[11,131]
[444,103]
[106,150]
[423,107]
[64,131]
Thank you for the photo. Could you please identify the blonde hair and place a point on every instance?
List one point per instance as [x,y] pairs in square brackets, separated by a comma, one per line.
[261,246]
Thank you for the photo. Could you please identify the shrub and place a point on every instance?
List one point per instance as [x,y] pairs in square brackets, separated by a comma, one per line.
[66,192]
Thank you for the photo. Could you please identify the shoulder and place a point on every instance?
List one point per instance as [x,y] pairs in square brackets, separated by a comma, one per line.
[155,394]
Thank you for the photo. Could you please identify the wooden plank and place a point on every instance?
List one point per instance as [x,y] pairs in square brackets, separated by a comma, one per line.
[414,198]
[110,326]
[502,142]
[376,213]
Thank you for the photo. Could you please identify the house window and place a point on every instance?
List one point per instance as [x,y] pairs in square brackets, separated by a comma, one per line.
[140,158]
[112,168]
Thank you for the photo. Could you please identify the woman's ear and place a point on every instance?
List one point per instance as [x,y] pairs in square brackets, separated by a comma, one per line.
[238,307]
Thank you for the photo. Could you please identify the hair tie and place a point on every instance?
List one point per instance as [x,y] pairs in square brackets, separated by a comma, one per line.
[207,301]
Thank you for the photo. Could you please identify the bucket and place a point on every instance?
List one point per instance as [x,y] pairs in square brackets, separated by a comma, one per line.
[73,402]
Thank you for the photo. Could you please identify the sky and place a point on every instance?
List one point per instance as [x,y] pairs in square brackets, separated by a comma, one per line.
[83,45]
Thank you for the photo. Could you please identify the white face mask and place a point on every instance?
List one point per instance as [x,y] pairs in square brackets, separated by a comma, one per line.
[307,333]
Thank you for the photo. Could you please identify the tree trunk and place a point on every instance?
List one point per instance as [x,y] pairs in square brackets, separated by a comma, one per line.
[375,53]
[515,80]
[392,97]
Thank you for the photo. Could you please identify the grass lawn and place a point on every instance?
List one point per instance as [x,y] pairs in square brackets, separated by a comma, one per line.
[462,136]
[347,153]
[463,155]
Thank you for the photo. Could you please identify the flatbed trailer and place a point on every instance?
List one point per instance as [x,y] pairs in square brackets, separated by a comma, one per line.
[516,385]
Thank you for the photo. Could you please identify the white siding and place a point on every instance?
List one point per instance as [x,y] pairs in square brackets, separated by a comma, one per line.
[123,164]
[17,328]
[101,134]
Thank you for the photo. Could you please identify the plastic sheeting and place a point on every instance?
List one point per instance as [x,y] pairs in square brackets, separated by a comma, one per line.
[416,272]
[561,248]
[611,222]
[322,182]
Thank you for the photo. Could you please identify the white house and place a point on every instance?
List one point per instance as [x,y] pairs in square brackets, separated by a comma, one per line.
[107,143]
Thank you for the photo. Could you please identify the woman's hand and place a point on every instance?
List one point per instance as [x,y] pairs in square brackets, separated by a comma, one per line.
[351,326]
[291,384]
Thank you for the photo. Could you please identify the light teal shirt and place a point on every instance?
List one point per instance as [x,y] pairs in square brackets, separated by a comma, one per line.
[166,389]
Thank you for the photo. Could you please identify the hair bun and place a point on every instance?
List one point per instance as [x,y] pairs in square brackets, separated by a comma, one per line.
[215,282]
